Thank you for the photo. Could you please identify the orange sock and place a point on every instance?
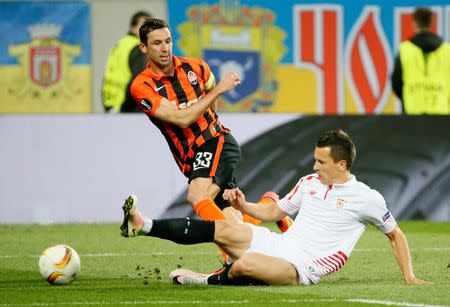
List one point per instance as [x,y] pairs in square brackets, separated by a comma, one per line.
[249,219]
[208,210]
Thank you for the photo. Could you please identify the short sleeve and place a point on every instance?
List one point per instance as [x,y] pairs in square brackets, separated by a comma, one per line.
[291,203]
[377,213]
[145,97]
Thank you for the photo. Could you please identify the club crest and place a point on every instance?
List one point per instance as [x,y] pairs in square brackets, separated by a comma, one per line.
[234,37]
[45,62]
[192,77]
[340,202]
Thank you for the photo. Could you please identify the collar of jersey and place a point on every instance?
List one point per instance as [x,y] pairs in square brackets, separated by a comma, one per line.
[350,182]
[176,61]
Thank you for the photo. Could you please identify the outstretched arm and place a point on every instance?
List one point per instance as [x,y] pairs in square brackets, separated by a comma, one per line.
[402,255]
[268,212]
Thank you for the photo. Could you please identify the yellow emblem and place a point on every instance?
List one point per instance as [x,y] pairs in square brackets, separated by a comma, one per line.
[231,36]
[45,64]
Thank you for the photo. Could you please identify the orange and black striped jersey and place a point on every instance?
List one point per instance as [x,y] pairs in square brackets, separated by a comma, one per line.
[191,80]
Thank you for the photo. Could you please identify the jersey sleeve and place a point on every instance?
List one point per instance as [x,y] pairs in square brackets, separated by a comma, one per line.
[145,97]
[377,213]
[291,203]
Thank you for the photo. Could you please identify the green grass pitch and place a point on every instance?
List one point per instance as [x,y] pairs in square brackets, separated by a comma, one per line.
[116,271]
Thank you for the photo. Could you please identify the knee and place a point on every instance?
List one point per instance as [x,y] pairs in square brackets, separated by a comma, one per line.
[243,267]
[229,234]
[223,231]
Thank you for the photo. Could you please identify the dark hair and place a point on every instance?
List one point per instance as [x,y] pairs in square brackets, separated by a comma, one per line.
[149,26]
[423,17]
[341,146]
[138,15]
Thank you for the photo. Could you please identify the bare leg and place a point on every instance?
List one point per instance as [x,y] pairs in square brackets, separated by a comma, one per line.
[233,238]
[267,269]
[205,188]
[202,188]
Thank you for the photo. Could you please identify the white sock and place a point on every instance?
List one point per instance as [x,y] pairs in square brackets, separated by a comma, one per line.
[148,224]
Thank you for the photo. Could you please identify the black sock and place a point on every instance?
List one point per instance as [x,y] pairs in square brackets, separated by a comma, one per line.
[221,278]
[183,231]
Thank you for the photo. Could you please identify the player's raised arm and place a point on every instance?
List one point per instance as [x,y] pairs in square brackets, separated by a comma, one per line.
[400,248]
[186,116]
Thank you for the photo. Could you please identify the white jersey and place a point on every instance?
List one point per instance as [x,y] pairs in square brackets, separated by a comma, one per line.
[330,220]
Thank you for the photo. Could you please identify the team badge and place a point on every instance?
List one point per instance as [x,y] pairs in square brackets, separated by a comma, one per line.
[234,37]
[340,203]
[192,77]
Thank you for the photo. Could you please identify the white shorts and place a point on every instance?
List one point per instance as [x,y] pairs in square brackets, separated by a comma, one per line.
[273,244]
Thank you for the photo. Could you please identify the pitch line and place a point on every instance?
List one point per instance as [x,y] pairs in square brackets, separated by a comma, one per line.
[232,302]
[362,250]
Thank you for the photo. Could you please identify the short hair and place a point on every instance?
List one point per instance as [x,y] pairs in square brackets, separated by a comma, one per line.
[151,25]
[423,17]
[341,146]
[138,15]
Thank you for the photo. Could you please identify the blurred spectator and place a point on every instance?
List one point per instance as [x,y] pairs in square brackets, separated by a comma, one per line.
[125,62]
[421,76]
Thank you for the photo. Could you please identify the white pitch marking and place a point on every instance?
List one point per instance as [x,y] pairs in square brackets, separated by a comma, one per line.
[362,250]
[231,302]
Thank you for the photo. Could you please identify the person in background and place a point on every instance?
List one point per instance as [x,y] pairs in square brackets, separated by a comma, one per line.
[125,62]
[421,76]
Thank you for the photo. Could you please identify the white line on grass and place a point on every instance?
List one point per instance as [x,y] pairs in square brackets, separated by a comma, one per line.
[362,250]
[389,303]
[231,302]
[119,254]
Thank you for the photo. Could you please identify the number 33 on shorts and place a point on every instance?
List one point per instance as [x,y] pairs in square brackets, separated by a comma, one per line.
[202,160]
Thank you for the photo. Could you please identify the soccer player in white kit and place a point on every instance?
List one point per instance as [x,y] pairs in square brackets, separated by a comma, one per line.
[333,210]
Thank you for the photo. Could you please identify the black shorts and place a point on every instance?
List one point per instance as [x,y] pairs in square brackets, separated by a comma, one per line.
[218,158]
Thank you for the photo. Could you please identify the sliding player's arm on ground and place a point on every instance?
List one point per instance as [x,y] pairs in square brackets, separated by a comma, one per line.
[269,212]
[400,248]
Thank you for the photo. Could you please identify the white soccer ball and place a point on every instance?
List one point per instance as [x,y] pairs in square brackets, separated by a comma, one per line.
[59,264]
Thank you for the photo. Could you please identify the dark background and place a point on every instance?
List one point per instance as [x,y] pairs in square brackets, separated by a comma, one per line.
[405,158]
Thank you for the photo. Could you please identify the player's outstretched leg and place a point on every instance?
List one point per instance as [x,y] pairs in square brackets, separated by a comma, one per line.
[178,230]
[133,220]
[218,278]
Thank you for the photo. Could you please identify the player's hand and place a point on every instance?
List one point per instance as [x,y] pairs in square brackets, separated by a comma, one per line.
[417,281]
[235,197]
[229,81]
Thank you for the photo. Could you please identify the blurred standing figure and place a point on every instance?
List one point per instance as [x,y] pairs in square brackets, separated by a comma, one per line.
[125,62]
[421,76]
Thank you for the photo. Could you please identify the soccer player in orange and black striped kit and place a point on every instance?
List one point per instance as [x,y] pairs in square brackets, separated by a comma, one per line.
[178,95]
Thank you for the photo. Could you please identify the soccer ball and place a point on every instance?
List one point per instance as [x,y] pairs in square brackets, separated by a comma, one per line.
[59,264]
